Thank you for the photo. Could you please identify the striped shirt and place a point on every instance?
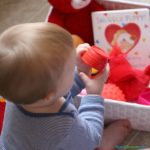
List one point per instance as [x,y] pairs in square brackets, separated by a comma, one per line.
[69,129]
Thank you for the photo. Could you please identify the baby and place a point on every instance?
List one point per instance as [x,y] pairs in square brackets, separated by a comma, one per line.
[39,80]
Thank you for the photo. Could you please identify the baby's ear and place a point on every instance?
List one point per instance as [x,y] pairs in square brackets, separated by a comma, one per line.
[50,98]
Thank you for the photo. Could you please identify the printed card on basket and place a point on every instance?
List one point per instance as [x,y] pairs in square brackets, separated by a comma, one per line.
[129,29]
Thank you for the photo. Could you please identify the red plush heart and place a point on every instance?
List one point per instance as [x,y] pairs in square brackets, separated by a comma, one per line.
[130,28]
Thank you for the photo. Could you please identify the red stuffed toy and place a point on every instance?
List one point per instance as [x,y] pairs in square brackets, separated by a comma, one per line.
[75,16]
[130,80]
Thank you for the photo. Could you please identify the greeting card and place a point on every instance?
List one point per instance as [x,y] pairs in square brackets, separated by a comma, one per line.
[129,29]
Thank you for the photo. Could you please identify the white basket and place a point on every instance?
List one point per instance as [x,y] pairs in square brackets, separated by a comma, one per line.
[137,114]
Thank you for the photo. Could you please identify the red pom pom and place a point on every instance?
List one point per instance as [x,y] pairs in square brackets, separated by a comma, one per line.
[111,91]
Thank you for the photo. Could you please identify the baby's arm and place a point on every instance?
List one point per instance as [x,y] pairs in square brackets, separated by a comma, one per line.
[86,131]
[80,67]
[91,111]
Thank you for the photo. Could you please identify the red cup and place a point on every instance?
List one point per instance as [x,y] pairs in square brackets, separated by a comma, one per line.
[95,58]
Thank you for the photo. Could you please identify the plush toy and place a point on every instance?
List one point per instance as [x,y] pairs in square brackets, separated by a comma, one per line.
[130,80]
[75,16]
[77,40]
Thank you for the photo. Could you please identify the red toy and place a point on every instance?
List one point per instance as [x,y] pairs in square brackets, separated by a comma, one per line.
[75,16]
[96,58]
[130,80]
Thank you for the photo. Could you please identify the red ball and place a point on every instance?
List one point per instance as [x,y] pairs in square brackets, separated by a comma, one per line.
[111,91]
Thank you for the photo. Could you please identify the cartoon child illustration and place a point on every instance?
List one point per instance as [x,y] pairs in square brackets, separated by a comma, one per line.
[124,40]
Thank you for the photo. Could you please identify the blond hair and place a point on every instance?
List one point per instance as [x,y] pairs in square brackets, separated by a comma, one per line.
[32,58]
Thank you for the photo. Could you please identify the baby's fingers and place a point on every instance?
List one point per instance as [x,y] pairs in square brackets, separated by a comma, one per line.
[104,75]
[84,78]
[85,45]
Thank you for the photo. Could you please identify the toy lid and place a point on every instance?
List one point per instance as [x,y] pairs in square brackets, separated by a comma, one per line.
[95,57]
[99,51]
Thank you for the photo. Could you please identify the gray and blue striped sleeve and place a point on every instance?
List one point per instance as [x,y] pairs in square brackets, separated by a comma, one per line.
[91,110]
[87,129]
[77,86]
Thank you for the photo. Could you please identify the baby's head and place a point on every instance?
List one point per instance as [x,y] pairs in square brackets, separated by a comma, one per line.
[35,60]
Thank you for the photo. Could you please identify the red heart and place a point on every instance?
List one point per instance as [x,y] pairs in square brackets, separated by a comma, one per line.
[131,29]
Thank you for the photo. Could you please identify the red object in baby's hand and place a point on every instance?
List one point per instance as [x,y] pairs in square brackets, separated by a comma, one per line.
[95,58]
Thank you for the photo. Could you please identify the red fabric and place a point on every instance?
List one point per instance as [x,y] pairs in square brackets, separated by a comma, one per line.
[2,109]
[147,70]
[120,69]
[130,80]
[75,21]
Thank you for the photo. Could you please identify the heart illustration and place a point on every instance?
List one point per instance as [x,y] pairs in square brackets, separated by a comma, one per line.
[126,37]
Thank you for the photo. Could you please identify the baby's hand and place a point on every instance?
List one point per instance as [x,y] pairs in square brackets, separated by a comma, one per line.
[81,66]
[95,85]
